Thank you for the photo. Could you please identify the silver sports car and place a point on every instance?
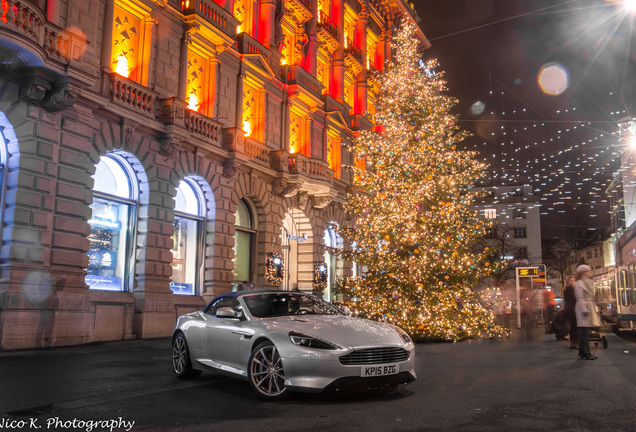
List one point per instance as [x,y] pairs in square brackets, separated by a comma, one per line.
[282,341]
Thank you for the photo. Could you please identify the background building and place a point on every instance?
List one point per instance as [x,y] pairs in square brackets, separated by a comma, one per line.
[515,217]
[158,153]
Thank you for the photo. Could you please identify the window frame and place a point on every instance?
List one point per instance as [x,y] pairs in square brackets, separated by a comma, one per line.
[252,231]
[199,238]
[131,224]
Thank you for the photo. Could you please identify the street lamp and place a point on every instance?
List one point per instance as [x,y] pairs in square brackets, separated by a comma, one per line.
[630,5]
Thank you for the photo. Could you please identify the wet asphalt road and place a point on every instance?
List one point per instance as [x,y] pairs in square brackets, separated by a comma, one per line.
[531,382]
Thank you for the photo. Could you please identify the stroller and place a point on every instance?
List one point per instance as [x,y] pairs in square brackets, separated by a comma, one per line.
[561,328]
[596,334]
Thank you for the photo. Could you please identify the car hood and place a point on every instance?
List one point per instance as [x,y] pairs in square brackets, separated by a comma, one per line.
[345,331]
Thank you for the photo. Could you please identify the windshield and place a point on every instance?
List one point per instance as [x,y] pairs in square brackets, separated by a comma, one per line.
[281,304]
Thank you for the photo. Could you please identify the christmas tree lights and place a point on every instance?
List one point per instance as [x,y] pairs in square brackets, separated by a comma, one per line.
[414,229]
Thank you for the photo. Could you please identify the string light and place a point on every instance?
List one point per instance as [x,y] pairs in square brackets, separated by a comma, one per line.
[414,229]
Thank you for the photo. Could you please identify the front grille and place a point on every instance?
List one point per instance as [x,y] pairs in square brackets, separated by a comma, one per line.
[353,384]
[375,356]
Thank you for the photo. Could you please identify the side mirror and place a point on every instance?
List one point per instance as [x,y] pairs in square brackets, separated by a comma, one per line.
[228,312]
[346,310]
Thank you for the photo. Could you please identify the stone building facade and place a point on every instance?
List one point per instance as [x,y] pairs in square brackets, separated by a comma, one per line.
[157,153]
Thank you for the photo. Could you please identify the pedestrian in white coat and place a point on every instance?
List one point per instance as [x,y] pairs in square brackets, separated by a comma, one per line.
[586,315]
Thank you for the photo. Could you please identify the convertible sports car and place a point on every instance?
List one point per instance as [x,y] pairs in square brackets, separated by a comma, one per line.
[282,341]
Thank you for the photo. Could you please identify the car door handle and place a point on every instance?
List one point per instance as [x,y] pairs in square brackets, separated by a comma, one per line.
[245,333]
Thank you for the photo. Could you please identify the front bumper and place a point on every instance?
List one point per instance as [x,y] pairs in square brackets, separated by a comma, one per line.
[322,371]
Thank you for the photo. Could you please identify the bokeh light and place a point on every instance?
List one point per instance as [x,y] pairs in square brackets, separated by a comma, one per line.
[478,107]
[553,79]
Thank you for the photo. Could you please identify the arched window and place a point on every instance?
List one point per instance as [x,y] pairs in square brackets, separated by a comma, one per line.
[187,241]
[7,135]
[112,225]
[244,235]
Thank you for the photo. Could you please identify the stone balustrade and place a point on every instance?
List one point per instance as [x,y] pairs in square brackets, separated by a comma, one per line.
[204,127]
[295,74]
[27,19]
[131,95]
[257,151]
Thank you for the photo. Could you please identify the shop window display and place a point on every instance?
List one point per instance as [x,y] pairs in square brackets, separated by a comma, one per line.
[111,226]
[186,241]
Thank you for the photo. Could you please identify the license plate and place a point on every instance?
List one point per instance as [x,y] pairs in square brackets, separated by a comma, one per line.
[379,370]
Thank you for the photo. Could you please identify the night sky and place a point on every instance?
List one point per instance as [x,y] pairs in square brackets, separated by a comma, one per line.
[565,144]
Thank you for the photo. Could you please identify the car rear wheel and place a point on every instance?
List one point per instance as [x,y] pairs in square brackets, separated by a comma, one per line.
[181,363]
[266,373]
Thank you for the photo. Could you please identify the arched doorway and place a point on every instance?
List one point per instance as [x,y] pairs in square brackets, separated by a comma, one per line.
[332,241]
[297,249]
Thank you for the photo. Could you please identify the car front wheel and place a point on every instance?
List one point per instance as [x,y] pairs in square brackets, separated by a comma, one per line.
[181,363]
[266,373]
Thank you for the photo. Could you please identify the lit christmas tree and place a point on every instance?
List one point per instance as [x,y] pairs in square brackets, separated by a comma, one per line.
[414,229]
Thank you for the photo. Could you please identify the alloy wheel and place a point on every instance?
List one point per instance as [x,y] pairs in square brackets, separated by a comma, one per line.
[266,371]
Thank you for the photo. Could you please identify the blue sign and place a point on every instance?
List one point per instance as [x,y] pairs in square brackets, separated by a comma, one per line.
[181,288]
[104,283]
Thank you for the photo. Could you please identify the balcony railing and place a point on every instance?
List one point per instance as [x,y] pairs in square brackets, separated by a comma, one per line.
[332,104]
[211,12]
[312,168]
[355,51]
[325,22]
[246,44]
[27,19]
[306,3]
[256,150]
[204,127]
[129,94]
[295,74]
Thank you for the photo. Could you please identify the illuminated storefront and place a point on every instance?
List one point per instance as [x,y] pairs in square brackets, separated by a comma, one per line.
[154,158]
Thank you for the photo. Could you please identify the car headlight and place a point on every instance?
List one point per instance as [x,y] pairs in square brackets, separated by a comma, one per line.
[311,341]
[404,335]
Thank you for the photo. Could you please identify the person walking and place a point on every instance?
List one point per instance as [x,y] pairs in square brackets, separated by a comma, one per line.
[569,309]
[586,315]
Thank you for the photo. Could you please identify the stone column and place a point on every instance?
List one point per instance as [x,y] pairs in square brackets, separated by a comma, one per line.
[183,65]
[266,23]
[310,61]
[338,79]
[361,85]
[107,35]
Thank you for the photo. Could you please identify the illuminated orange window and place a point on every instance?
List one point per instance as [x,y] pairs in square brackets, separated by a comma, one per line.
[127,49]
[350,91]
[287,48]
[372,47]
[333,154]
[298,136]
[200,86]
[349,27]
[323,8]
[322,73]
[244,11]
[253,111]
[371,103]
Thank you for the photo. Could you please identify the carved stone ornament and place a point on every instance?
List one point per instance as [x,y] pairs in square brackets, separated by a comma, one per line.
[33,89]
[128,136]
[291,189]
[279,186]
[321,202]
[59,98]
[199,164]
[229,167]
[167,146]
[302,199]
[44,87]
